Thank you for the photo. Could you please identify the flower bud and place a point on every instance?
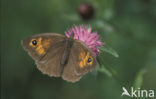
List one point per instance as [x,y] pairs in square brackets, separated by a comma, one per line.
[86,11]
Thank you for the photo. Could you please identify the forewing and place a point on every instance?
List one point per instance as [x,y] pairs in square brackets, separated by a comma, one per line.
[47,52]
[44,42]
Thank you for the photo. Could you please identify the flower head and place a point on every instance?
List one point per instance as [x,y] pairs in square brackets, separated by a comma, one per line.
[83,33]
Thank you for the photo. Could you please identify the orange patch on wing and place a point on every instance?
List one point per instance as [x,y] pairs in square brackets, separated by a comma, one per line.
[84,59]
[46,43]
[39,48]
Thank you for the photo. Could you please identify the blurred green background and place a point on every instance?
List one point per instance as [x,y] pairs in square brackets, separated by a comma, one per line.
[128,26]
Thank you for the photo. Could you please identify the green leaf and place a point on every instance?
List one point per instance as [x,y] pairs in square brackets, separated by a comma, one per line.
[149,81]
[139,79]
[109,50]
[104,70]
[108,70]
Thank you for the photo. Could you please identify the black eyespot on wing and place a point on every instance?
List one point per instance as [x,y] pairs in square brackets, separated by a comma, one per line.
[89,60]
[34,42]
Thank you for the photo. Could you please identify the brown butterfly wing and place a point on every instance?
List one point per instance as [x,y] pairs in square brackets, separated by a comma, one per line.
[49,62]
[51,66]
[78,62]
[85,59]
[44,42]
[69,70]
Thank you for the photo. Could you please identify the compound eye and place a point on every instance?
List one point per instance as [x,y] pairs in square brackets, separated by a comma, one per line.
[34,42]
[89,60]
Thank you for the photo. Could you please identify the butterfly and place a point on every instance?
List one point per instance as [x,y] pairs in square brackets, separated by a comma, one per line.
[59,56]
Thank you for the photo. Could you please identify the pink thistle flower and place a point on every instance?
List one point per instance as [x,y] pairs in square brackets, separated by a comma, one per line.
[83,33]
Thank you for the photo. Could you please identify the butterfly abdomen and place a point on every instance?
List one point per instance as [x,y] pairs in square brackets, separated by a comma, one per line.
[66,53]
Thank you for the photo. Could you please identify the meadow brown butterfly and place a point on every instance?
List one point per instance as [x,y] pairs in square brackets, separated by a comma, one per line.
[59,56]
